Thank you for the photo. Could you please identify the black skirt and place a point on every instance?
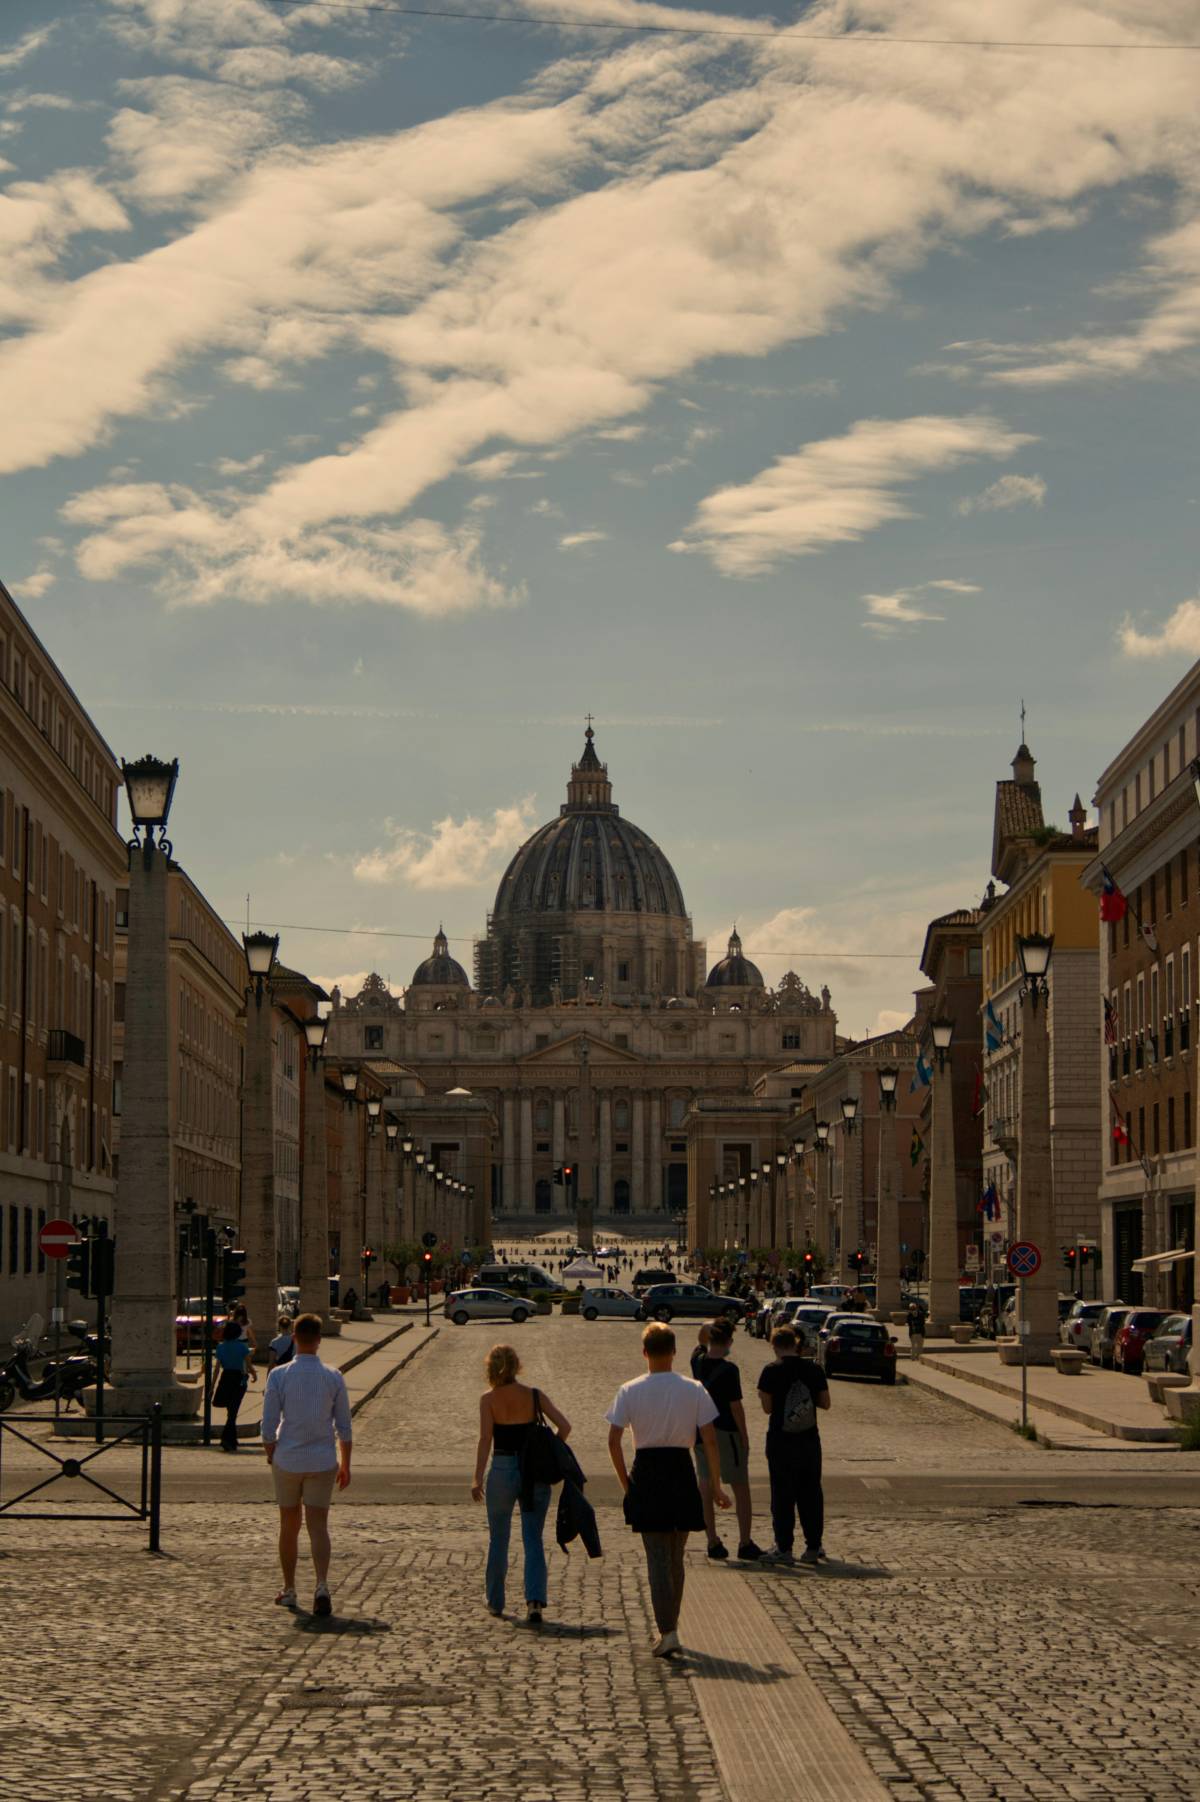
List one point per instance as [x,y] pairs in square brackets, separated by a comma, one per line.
[663,1495]
[231,1386]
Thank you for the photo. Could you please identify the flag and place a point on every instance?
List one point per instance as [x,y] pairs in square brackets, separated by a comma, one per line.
[980,1097]
[1113,905]
[1150,936]
[989,1203]
[916,1148]
[922,1075]
[993,1031]
[1118,1131]
[1110,1022]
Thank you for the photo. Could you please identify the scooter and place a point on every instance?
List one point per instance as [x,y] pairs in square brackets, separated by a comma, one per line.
[68,1379]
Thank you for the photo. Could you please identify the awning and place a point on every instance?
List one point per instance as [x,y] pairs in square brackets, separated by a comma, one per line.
[1161,1259]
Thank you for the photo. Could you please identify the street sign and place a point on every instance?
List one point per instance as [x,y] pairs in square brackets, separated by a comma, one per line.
[466,1257]
[56,1238]
[1024,1259]
[972,1257]
[429,1240]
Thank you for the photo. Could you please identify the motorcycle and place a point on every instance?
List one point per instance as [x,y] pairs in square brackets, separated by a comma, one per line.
[68,1378]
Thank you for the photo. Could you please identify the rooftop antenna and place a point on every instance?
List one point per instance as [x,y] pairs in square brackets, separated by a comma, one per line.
[1022,719]
[247,913]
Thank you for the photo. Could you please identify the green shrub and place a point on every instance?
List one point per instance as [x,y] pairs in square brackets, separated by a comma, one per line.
[570,1304]
[1188,1436]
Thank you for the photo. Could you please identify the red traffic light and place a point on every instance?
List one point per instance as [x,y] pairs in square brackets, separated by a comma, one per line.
[427,1257]
[808,1257]
[568,1169]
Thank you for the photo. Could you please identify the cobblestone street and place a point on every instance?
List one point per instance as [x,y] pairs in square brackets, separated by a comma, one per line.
[946,1641]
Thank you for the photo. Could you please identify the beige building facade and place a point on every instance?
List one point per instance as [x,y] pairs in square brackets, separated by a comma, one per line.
[589,956]
[61,859]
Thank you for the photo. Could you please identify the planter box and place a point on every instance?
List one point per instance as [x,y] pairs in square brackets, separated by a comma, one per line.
[1067,1362]
[963,1332]
[1159,1381]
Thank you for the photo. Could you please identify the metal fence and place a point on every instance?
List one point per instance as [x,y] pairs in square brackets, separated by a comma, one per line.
[145,1430]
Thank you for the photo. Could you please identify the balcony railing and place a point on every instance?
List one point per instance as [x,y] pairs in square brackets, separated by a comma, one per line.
[63,1047]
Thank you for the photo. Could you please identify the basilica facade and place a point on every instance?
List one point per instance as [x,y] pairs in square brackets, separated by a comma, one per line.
[591,1032]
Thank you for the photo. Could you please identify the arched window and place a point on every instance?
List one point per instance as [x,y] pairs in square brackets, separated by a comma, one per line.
[541,1116]
[621,1116]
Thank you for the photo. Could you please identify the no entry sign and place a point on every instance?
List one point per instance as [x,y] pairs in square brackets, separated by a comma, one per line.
[1024,1259]
[56,1238]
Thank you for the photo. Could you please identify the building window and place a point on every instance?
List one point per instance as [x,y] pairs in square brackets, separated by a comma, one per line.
[41,1256]
[621,1041]
[1168,887]
[622,972]
[1187,1120]
[1170,1122]
[12,1241]
[974,960]
[540,1039]
[542,1147]
[678,1110]
[796,1094]
[791,1041]
[1155,1146]
[27,1260]
[1183,881]
[372,1038]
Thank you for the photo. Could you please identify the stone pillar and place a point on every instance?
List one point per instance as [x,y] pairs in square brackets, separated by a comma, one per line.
[508,1153]
[314,1194]
[258,1169]
[654,1197]
[887,1216]
[604,1199]
[143,1303]
[943,1209]
[637,1156]
[822,1237]
[558,1141]
[525,1160]
[376,1231]
[1035,1182]
[408,1206]
[852,1200]
[585,1181]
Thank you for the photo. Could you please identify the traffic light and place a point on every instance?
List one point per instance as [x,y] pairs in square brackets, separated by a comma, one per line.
[1069,1256]
[1089,1254]
[809,1260]
[233,1275]
[857,1260]
[79,1266]
[103,1262]
[568,1173]
[426,1261]
[368,1257]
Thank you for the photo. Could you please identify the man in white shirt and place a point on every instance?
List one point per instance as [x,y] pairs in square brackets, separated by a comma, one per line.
[305,1411]
[662,1501]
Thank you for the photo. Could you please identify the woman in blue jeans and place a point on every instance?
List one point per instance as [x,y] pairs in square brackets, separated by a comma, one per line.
[506,1412]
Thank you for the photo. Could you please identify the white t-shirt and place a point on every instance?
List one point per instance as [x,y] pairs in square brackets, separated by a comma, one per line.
[663,1408]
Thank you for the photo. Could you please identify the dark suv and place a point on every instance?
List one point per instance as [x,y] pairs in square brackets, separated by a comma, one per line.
[689,1300]
[647,1279]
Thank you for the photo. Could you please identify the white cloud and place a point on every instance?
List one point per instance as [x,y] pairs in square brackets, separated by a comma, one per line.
[231,466]
[885,612]
[187,136]
[573,541]
[835,490]
[1178,636]
[26,47]
[1008,491]
[951,586]
[34,587]
[455,854]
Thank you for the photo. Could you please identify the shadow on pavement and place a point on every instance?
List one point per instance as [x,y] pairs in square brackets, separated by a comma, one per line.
[730,1670]
[345,1625]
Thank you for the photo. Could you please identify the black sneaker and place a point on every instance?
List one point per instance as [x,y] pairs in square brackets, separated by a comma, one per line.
[749,1551]
[810,1555]
[717,1550]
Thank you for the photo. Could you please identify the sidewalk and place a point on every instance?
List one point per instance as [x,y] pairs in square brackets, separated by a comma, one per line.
[1098,1410]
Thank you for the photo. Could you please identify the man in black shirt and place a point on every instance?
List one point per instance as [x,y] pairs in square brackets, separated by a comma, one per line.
[723,1381]
[791,1390]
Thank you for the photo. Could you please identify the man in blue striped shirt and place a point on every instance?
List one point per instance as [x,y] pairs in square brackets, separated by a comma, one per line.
[307,1436]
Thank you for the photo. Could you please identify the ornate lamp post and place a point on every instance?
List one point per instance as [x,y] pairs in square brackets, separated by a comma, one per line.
[258,1137]
[753,1218]
[850,1233]
[314,1190]
[743,1222]
[799,1232]
[779,1202]
[143,1302]
[1035,1177]
[943,1200]
[887,1206]
[824,1234]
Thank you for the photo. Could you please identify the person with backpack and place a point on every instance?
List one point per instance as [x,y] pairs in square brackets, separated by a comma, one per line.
[509,1412]
[721,1377]
[791,1390]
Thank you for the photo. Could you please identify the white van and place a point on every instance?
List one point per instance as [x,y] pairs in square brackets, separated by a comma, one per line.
[518,1279]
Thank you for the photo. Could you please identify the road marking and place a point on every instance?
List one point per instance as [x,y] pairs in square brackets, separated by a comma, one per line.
[876,1482]
[775,1737]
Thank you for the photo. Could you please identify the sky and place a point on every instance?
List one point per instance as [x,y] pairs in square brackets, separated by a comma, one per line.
[382,395]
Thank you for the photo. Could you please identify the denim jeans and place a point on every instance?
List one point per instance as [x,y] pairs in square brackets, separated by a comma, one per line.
[502,1494]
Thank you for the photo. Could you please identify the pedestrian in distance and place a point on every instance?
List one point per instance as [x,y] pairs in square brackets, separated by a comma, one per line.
[721,1377]
[235,1373]
[791,1391]
[700,1349]
[916,1328]
[307,1437]
[665,1412]
[508,1411]
[283,1344]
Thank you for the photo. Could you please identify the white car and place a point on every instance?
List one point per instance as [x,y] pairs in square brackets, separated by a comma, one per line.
[485,1304]
[610,1304]
[1076,1330]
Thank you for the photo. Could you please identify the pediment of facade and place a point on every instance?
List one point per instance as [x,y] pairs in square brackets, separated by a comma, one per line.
[600,1054]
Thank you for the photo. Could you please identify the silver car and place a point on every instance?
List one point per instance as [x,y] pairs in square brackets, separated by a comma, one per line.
[486,1304]
[1169,1348]
[1075,1331]
[610,1304]
[1105,1331]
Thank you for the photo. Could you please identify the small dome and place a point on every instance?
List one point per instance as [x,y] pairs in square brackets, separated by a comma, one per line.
[440,970]
[735,971]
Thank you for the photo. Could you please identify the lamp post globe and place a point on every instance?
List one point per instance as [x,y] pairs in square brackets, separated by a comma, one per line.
[849,1106]
[149,790]
[406,1145]
[314,1035]
[889,1078]
[349,1084]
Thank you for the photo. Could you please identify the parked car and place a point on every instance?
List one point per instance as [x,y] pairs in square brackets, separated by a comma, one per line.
[648,1279]
[1105,1331]
[805,1316]
[852,1346]
[610,1304]
[520,1279]
[1170,1346]
[1129,1344]
[763,1321]
[832,1293]
[689,1300]
[485,1304]
[1076,1330]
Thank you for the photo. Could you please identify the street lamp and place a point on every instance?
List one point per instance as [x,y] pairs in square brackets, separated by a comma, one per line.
[261,950]
[314,1038]
[374,1109]
[349,1085]
[849,1111]
[1034,952]
[943,1037]
[406,1145]
[392,1129]
[889,1078]
[149,788]
[822,1135]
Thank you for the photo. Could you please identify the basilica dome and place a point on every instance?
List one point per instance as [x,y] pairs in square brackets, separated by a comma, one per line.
[589,860]
[735,971]
[440,970]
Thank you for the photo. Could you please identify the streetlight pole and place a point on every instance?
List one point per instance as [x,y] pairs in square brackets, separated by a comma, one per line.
[143,1303]
[258,1139]
[943,1199]
[849,1237]
[1035,1178]
[779,1234]
[823,1234]
[314,1187]
[887,1208]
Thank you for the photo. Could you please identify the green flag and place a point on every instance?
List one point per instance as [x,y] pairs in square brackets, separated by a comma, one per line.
[916,1148]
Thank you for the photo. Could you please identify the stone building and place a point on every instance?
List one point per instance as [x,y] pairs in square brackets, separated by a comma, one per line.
[1148,970]
[1040,867]
[61,858]
[588,960]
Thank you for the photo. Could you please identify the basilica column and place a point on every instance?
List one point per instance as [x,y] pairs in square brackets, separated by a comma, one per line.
[525,1168]
[655,1178]
[508,1153]
[637,1156]
[604,1199]
[559,1138]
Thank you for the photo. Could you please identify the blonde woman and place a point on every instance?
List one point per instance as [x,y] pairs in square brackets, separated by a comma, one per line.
[507,1410]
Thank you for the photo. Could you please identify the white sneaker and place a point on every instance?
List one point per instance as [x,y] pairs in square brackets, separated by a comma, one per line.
[286,1598]
[775,1556]
[666,1646]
